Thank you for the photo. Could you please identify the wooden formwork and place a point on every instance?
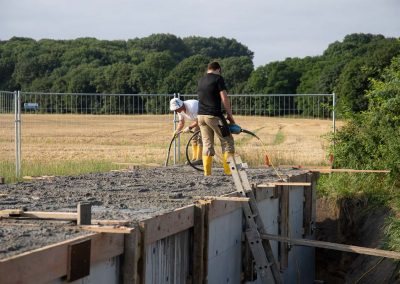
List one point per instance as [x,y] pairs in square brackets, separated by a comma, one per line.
[200,243]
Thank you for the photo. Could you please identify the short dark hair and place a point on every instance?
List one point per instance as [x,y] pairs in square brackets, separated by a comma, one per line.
[214,66]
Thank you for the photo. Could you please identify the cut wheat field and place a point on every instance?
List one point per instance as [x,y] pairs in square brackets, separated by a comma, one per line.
[143,139]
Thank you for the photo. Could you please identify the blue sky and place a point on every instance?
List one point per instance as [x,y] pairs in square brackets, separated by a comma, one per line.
[273,30]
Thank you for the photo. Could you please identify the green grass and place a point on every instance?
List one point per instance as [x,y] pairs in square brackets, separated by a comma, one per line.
[57,168]
[279,137]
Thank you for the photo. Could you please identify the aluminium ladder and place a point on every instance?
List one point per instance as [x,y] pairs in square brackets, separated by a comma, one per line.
[266,266]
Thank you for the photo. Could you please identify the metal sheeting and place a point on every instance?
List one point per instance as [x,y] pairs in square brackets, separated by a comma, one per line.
[168,260]
[224,248]
[301,266]
[104,272]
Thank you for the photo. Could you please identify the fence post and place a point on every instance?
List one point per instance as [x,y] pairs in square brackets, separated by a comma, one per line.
[17,111]
[175,123]
[334,112]
[179,139]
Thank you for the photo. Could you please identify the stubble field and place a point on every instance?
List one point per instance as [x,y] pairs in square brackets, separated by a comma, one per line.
[92,141]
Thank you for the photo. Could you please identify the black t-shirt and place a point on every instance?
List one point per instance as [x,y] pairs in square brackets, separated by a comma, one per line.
[208,91]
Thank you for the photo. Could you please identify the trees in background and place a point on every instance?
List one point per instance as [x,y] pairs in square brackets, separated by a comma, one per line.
[165,63]
[371,138]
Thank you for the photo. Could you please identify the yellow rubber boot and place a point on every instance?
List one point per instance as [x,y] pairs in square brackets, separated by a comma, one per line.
[207,164]
[195,148]
[227,169]
[199,152]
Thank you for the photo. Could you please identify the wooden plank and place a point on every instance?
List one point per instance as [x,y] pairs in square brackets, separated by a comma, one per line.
[11,212]
[206,241]
[347,171]
[306,167]
[37,177]
[84,215]
[198,243]
[106,246]
[334,246]
[284,227]
[68,216]
[219,208]
[270,184]
[107,229]
[168,224]
[132,253]
[111,222]
[224,198]
[78,265]
[50,262]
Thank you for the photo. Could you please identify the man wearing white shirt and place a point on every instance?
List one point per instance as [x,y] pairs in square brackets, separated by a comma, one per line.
[187,110]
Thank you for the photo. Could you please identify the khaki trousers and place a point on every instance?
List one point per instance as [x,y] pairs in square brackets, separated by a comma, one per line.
[197,140]
[208,127]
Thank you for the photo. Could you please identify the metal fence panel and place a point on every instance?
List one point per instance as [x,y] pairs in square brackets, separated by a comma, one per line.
[60,128]
[7,132]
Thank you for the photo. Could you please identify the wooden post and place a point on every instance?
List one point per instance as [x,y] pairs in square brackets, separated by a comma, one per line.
[308,207]
[205,241]
[284,226]
[84,213]
[2,180]
[132,254]
[198,243]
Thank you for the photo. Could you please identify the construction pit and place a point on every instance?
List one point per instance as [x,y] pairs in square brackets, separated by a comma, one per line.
[159,225]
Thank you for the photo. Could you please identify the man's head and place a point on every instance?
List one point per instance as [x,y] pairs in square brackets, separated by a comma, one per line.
[176,105]
[214,67]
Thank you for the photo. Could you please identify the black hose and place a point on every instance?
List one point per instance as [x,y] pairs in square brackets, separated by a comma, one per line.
[249,132]
[187,152]
[169,150]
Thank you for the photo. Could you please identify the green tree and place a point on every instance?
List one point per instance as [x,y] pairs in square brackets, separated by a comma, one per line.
[183,78]
[147,77]
[371,139]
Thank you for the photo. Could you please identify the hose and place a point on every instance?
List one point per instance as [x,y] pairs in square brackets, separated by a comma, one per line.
[169,149]
[241,130]
[187,152]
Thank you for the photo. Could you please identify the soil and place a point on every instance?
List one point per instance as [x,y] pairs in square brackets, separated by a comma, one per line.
[132,195]
[353,222]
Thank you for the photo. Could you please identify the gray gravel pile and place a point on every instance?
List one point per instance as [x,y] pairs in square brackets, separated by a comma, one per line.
[133,195]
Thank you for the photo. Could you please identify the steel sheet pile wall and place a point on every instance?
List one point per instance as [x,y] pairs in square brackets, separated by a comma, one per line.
[168,259]
[225,248]
[201,243]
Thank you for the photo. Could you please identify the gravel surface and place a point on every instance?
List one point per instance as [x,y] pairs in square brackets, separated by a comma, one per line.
[131,195]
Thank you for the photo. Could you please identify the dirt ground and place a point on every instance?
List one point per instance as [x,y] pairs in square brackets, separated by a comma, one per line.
[132,195]
[348,221]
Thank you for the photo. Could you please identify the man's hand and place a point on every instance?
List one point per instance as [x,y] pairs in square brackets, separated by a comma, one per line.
[230,119]
[176,133]
[186,130]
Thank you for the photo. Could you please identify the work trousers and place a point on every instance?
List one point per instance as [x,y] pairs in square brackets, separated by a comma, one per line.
[209,125]
[197,140]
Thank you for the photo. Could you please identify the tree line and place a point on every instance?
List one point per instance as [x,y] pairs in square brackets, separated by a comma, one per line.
[165,64]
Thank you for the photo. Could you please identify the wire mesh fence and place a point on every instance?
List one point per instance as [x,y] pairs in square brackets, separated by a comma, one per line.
[60,129]
[7,133]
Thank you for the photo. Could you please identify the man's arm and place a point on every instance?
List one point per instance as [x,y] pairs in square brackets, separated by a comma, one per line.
[227,106]
[194,124]
[181,124]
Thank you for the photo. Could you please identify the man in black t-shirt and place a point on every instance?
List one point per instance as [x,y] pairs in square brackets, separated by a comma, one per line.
[212,95]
